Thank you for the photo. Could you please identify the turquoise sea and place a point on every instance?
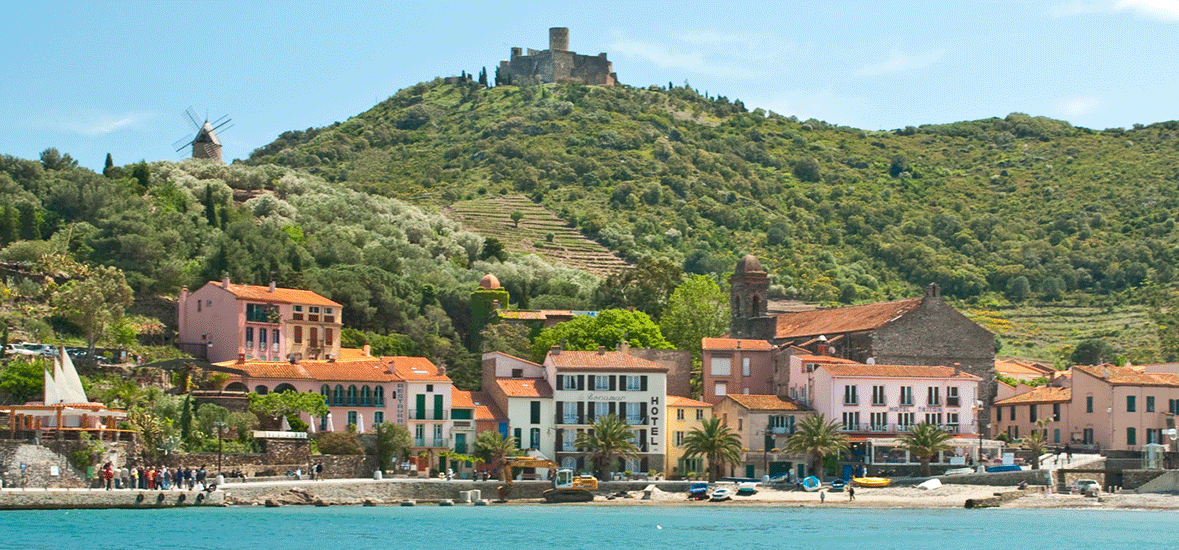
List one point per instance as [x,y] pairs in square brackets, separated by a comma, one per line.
[584,527]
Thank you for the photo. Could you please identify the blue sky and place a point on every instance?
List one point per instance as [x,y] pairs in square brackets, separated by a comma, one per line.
[96,77]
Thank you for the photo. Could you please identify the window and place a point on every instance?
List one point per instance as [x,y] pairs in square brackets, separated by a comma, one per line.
[379,396]
[1088,404]
[569,383]
[906,396]
[338,398]
[998,414]
[326,392]
[1131,404]
[352,395]
[1150,403]
[905,420]
[851,421]
[274,341]
[745,367]
[1056,412]
[430,388]
[602,383]
[678,439]
[1032,417]
[297,313]
[313,313]
[879,422]
[933,397]
[1012,411]
[933,418]
[1056,435]
[534,438]
[378,418]
[262,339]
[952,421]
[679,414]
[352,418]
[878,396]
[721,366]
[419,435]
[438,440]
[740,424]
[635,383]
[535,406]
[1131,436]
[366,396]
[249,337]
[298,335]
[849,395]
[720,389]
[952,396]
[601,409]
[699,414]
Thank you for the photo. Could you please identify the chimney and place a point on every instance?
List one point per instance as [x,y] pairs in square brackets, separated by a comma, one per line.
[957,369]
[555,350]
[368,350]
[225,280]
[1105,372]
[294,358]
[241,358]
[738,344]
[441,370]
[601,350]
[331,358]
[271,285]
[624,347]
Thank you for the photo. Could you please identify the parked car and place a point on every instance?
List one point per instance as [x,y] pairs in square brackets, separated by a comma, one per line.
[21,348]
[1087,487]
[40,349]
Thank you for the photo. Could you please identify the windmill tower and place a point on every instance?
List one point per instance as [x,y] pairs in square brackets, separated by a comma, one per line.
[205,143]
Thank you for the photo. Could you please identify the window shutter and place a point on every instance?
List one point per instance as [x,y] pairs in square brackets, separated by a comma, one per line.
[613,383]
[560,439]
[590,381]
[643,383]
[642,442]
[613,408]
[591,413]
[560,381]
[580,412]
[622,410]
[581,382]
[642,412]
[560,411]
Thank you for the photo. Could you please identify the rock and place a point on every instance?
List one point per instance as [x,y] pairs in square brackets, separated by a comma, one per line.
[409,503]
[321,502]
[446,502]
[371,502]
[481,502]
[272,504]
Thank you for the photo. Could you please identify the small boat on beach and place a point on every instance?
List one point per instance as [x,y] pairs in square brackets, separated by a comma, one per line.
[837,485]
[811,483]
[698,491]
[746,489]
[721,495]
[872,481]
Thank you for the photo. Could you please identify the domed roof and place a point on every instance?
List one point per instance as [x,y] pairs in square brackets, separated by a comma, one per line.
[489,282]
[749,264]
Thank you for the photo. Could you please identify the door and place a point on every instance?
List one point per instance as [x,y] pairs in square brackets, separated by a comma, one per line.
[749,471]
[778,469]
[460,443]
[848,472]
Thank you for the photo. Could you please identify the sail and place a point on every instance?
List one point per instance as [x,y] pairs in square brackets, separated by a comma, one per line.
[50,389]
[59,392]
[71,383]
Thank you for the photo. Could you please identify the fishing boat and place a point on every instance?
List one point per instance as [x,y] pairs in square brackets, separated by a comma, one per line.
[811,483]
[746,489]
[721,495]
[872,481]
[698,491]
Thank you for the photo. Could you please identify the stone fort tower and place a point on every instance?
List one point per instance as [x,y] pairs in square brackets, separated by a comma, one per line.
[556,65]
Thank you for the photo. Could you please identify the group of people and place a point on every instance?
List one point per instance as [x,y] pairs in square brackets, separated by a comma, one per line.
[159,477]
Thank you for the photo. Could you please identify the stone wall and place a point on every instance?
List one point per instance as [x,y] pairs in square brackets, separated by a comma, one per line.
[678,363]
[40,460]
[391,490]
[95,499]
[999,479]
[264,465]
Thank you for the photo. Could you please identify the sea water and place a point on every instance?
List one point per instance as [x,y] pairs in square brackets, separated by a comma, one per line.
[575,527]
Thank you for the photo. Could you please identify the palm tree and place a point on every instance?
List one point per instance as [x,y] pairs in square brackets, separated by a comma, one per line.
[716,442]
[1035,443]
[492,447]
[926,440]
[609,439]
[817,438]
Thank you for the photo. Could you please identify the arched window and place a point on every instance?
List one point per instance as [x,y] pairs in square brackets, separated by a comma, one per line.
[284,387]
[326,392]
[339,397]
[236,386]
[261,390]
[365,396]
[380,396]
[754,306]
[352,395]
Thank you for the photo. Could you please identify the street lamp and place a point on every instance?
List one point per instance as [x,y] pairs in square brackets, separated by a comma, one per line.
[220,425]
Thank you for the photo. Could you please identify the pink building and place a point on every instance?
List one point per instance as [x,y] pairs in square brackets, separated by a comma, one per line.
[737,366]
[1121,408]
[222,321]
[1045,409]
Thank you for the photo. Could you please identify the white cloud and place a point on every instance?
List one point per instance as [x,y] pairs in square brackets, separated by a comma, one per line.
[1158,10]
[707,53]
[1161,10]
[899,62]
[92,124]
[1078,106]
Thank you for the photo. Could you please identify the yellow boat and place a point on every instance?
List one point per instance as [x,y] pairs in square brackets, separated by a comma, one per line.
[872,481]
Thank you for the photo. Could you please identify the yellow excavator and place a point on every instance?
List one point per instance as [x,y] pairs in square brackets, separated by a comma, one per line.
[566,486]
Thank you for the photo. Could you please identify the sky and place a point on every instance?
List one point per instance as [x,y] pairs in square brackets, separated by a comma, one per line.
[92,78]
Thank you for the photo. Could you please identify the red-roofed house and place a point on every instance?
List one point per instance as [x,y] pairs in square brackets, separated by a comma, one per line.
[763,422]
[733,365]
[222,321]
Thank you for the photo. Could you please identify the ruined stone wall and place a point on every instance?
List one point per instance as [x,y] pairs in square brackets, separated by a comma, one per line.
[679,367]
[39,462]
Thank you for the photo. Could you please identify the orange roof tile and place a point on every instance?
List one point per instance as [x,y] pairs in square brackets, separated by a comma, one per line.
[280,295]
[845,319]
[1013,367]
[609,360]
[766,402]
[351,354]
[525,387]
[1126,376]
[895,371]
[1042,394]
[416,369]
[460,399]
[521,315]
[826,359]
[677,401]
[485,407]
[368,370]
[269,369]
[735,343]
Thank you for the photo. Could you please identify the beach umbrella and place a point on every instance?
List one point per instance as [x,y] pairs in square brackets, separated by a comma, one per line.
[311,425]
[360,423]
[286,424]
[331,427]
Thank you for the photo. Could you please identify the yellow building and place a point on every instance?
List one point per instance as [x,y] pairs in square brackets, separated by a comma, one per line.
[683,414]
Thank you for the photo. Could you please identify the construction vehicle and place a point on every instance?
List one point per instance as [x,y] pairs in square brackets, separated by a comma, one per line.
[567,487]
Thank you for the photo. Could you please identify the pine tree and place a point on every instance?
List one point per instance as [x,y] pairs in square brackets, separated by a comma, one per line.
[110,163]
[483,77]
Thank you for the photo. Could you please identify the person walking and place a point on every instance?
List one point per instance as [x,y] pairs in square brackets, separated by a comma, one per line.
[108,474]
[1068,450]
[319,471]
[851,493]
[822,497]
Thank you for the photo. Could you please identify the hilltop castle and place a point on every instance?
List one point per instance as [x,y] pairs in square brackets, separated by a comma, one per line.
[556,64]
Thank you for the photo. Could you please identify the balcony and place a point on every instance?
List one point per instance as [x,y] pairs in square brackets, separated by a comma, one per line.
[419,442]
[263,315]
[439,443]
[429,414]
[894,428]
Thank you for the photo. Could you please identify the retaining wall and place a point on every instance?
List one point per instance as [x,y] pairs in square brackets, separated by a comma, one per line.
[53,499]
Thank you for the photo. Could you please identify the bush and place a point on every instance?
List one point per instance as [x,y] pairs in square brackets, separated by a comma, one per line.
[340,443]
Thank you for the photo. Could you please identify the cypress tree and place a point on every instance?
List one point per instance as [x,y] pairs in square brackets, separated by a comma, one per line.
[8,224]
[110,163]
[210,207]
[483,77]
[186,417]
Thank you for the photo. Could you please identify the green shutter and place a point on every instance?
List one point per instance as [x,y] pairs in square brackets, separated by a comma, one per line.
[420,413]
[438,407]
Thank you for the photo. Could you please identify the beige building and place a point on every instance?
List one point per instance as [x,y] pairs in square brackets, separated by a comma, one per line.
[763,422]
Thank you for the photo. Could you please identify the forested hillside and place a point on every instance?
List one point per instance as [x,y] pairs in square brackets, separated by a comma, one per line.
[1025,221]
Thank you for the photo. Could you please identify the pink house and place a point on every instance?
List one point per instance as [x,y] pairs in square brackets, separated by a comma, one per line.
[222,321]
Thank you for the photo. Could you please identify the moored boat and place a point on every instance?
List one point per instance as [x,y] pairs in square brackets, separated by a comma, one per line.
[811,483]
[872,481]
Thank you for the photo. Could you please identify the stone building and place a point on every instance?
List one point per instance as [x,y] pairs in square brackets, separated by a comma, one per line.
[556,65]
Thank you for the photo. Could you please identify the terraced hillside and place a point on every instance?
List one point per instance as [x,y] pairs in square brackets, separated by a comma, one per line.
[539,232]
[1049,332]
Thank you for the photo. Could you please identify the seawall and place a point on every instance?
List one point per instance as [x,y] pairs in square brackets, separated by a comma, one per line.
[54,499]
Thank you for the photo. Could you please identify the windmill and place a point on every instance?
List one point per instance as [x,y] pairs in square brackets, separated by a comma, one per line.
[204,141]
